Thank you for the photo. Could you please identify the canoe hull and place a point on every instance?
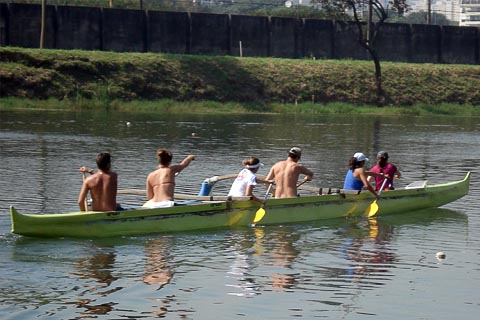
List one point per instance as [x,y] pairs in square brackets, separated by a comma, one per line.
[221,214]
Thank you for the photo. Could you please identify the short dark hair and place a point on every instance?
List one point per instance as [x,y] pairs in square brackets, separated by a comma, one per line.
[103,160]
[164,157]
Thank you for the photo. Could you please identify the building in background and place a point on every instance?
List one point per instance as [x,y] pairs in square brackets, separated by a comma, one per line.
[449,8]
[470,13]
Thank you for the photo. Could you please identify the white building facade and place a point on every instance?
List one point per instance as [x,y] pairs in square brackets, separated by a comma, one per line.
[470,13]
[449,8]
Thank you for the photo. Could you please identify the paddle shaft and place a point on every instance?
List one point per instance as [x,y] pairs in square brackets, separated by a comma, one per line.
[298,185]
[267,193]
[381,188]
[84,176]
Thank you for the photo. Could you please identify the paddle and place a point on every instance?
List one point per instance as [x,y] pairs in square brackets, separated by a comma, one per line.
[261,211]
[305,180]
[86,201]
[372,209]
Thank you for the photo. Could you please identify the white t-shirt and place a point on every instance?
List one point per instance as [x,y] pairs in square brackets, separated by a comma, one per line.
[245,178]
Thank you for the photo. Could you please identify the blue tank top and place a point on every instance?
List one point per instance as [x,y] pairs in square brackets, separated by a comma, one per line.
[352,183]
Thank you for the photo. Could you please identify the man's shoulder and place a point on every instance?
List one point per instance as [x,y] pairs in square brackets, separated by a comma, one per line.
[280,164]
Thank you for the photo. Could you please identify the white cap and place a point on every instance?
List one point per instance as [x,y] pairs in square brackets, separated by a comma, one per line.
[360,157]
[254,166]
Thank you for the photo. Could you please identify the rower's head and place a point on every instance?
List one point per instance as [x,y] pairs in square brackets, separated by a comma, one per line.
[295,153]
[382,158]
[358,160]
[164,157]
[253,164]
[104,161]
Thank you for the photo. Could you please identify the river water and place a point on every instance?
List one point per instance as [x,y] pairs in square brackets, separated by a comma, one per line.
[340,269]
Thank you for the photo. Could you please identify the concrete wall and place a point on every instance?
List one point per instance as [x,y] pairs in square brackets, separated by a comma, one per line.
[168,32]
[24,23]
[124,30]
[254,34]
[4,23]
[346,45]
[317,38]
[425,42]
[284,37]
[214,34]
[78,28]
[210,34]
[394,39]
[458,46]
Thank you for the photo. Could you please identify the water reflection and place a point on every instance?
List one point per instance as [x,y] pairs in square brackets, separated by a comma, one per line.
[367,251]
[97,267]
[283,254]
[333,268]
[347,256]
[239,275]
[275,248]
[157,270]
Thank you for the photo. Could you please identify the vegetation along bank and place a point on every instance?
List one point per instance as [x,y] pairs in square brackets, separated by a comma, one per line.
[91,79]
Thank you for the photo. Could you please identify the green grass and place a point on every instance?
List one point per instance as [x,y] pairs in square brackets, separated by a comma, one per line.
[59,79]
[203,107]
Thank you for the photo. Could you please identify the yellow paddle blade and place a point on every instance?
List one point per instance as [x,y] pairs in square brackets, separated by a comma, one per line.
[259,215]
[372,209]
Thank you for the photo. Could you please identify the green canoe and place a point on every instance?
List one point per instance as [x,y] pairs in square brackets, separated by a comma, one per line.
[206,212]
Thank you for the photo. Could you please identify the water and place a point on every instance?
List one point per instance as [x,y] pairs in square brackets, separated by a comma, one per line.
[340,269]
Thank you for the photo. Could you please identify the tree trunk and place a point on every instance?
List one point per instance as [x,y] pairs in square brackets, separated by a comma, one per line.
[378,79]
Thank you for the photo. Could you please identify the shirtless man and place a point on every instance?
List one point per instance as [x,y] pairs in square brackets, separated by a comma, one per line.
[285,174]
[102,186]
[161,182]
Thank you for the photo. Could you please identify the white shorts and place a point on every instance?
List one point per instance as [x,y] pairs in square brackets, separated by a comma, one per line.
[162,204]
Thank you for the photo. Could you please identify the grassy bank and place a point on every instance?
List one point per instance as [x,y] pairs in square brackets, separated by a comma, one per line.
[172,106]
[151,82]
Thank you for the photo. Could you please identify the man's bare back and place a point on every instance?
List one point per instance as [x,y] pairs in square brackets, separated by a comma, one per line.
[101,185]
[285,174]
[103,190]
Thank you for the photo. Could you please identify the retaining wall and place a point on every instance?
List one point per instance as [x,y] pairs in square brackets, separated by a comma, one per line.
[69,27]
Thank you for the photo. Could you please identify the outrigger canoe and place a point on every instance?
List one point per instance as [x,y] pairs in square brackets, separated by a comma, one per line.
[207,211]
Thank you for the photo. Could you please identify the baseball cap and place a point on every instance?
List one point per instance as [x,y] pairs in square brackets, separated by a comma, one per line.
[360,157]
[382,154]
[296,151]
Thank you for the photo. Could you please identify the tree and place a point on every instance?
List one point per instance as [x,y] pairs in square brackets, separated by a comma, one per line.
[377,12]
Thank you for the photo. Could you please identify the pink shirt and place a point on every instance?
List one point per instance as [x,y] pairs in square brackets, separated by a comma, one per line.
[389,169]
